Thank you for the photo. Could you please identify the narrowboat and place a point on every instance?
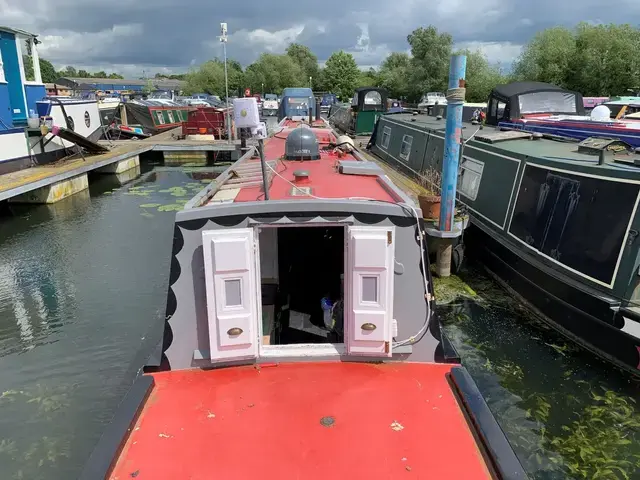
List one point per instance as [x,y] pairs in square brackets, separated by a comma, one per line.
[24,101]
[300,339]
[156,115]
[556,222]
[550,110]
[328,99]
[358,118]
[296,104]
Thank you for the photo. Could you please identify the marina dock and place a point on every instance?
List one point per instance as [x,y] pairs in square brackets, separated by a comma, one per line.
[52,182]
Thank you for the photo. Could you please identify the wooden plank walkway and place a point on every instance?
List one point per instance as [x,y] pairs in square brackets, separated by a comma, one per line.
[22,181]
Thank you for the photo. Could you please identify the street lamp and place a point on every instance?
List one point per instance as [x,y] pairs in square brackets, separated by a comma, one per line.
[310,84]
[262,89]
[223,39]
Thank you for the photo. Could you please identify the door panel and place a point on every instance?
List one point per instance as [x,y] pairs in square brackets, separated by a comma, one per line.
[229,261]
[369,312]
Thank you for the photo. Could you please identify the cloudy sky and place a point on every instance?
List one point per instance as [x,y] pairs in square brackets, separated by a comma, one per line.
[169,36]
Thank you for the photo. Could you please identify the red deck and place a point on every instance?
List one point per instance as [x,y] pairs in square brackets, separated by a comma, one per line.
[391,421]
[324,179]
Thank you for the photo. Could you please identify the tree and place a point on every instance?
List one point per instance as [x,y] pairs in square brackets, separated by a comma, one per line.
[68,71]
[304,57]
[341,74]
[100,74]
[546,57]
[276,72]
[481,77]
[395,75]
[48,71]
[116,76]
[368,78]
[605,61]
[209,78]
[430,56]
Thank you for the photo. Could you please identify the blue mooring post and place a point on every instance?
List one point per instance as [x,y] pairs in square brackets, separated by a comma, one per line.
[455,101]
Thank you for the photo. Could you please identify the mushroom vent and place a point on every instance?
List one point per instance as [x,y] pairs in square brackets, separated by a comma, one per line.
[302,144]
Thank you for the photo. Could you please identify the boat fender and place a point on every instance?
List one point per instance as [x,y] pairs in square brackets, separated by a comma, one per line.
[345,143]
[457,258]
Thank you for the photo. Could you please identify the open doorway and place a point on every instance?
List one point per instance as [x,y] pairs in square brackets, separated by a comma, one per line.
[302,271]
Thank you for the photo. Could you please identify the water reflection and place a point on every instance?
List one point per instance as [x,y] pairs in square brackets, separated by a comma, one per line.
[82,294]
[566,413]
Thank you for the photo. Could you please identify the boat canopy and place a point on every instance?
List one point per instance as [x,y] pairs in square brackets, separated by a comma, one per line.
[369,99]
[514,100]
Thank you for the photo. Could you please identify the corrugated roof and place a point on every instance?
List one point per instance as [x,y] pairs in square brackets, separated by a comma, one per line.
[157,82]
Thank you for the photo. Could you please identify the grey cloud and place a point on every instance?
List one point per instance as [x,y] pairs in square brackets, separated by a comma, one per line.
[172,34]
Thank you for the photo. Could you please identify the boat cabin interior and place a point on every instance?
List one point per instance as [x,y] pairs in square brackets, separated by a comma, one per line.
[526,99]
[302,270]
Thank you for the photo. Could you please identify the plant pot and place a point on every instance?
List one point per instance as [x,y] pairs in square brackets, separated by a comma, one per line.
[430,206]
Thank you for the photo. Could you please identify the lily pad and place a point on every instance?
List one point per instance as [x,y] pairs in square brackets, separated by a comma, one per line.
[150,205]
[147,214]
[172,207]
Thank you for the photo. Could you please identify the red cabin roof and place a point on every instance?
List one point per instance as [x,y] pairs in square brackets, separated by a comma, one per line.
[303,421]
[324,179]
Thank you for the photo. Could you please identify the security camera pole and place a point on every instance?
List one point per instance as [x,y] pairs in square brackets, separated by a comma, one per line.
[223,39]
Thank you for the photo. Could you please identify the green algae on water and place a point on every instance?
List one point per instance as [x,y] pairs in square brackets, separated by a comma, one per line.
[150,205]
[449,289]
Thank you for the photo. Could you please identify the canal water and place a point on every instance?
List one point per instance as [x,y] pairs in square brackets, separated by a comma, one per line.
[83,284]
[82,294]
[567,414]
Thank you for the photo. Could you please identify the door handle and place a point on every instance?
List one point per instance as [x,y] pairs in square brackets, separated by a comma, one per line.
[234,331]
[368,326]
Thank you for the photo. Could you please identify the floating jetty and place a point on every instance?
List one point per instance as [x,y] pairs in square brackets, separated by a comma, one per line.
[50,183]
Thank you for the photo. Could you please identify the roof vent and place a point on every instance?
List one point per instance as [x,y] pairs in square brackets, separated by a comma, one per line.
[301,176]
[302,144]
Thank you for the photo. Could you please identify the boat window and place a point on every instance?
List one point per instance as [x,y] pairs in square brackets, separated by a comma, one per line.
[370,289]
[373,98]
[354,100]
[386,136]
[470,177]
[160,117]
[27,59]
[233,292]
[547,102]
[405,149]
[170,115]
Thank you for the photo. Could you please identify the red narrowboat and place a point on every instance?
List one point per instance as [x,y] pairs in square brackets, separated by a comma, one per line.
[300,339]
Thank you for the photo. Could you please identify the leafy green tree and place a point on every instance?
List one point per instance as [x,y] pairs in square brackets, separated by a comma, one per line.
[605,61]
[481,77]
[209,78]
[307,60]
[341,74]
[395,75]
[116,76]
[275,72]
[547,56]
[68,71]
[430,57]
[48,71]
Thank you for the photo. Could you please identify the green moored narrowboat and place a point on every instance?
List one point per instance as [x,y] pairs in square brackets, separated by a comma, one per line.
[359,117]
[556,222]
